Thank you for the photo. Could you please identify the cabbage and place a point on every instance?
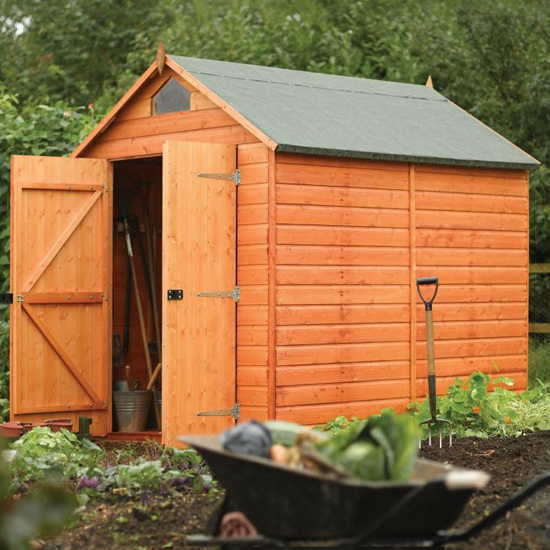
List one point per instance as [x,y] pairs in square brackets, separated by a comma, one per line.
[383,447]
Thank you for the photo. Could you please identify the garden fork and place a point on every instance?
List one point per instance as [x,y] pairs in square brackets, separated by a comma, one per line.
[431,364]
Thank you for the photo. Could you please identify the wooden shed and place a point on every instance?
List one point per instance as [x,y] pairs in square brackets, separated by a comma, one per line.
[311,203]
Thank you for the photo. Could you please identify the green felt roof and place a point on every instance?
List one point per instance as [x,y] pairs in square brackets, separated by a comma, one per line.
[325,114]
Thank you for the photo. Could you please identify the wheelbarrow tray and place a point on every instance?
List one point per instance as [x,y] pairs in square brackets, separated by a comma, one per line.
[291,504]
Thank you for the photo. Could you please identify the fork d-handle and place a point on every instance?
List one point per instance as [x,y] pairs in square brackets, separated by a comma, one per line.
[425,281]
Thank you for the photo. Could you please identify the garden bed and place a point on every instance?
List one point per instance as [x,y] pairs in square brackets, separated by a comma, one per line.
[161,521]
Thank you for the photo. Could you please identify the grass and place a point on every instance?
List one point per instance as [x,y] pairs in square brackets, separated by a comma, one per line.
[539,362]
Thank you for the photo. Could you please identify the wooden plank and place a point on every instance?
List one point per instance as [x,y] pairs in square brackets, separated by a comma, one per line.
[71,407]
[464,366]
[340,393]
[252,356]
[474,173]
[252,336]
[64,298]
[199,101]
[333,216]
[67,361]
[455,330]
[66,186]
[342,294]
[252,234]
[152,145]
[343,236]
[319,414]
[461,294]
[253,413]
[137,108]
[342,275]
[338,373]
[341,196]
[252,275]
[341,313]
[252,376]
[254,295]
[252,395]
[251,315]
[463,238]
[438,219]
[462,183]
[342,255]
[477,311]
[253,193]
[470,202]
[61,240]
[474,347]
[342,353]
[539,328]
[272,287]
[252,214]
[471,257]
[539,268]
[341,178]
[253,153]
[338,334]
[254,173]
[340,162]
[169,123]
[253,254]
[412,280]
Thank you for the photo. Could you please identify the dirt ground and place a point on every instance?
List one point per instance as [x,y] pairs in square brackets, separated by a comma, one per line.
[162,521]
[512,462]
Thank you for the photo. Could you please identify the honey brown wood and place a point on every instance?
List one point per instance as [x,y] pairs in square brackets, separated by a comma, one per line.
[61,274]
[199,255]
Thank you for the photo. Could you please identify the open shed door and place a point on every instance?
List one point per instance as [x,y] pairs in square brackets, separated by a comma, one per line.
[199,257]
[60,279]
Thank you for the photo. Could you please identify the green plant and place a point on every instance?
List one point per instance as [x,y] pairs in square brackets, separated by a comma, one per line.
[476,411]
[42,453]
[43,510]
[383,447]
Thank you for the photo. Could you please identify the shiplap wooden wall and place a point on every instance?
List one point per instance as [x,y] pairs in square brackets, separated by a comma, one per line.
[352,236]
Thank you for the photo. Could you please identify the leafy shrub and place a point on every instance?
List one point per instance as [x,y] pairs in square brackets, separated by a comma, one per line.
[476,411]
[42,453]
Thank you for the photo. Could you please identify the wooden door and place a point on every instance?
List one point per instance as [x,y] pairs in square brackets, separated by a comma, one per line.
[60,278]
[199,256]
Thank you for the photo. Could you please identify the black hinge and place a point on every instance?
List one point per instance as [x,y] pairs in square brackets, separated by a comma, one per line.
[6,298]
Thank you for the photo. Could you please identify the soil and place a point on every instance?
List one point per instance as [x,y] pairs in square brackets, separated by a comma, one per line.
[162,521]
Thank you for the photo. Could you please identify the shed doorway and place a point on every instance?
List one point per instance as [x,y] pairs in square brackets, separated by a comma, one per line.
[136,316]
[179,213]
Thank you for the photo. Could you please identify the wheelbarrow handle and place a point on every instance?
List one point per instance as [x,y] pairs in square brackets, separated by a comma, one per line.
[427,281]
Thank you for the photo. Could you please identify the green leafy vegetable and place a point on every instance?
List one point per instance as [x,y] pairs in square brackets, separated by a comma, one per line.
[382,447]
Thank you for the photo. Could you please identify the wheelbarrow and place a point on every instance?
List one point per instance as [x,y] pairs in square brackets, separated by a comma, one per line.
[287,505]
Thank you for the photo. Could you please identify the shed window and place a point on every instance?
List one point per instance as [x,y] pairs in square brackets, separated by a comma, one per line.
[173,97]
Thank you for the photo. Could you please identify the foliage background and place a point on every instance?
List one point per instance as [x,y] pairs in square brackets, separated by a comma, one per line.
[490,57]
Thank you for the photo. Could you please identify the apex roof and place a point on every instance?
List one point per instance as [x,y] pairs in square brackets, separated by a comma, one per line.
[327,114]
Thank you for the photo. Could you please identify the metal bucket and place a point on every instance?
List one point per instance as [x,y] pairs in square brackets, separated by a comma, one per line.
[132,409]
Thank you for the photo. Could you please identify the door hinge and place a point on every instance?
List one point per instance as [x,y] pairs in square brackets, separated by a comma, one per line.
[235,294]
[235,412]
[232,176]
[6,298]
